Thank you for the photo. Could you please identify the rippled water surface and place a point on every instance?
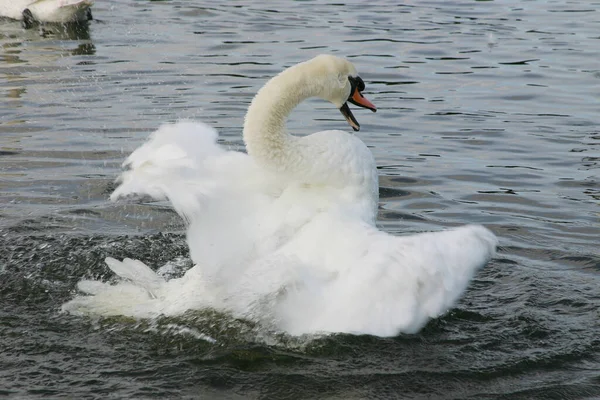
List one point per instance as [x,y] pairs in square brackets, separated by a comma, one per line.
[488,113]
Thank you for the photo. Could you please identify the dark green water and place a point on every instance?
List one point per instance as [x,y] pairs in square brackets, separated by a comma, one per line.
[488,113]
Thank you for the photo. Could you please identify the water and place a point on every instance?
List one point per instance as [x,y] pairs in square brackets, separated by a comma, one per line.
[488,113]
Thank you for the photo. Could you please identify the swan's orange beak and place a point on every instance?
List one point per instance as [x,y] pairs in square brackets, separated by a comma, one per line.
[357,99]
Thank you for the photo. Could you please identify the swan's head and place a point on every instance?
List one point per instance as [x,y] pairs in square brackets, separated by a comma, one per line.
[339,83]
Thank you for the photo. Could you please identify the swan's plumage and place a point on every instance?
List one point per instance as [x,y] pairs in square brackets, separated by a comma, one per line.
[286,235]
[55,11]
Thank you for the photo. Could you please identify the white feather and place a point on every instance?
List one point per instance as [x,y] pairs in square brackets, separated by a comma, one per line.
[57,11]
[286,235]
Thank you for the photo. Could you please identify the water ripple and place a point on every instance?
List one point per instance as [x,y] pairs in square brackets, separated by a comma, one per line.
[483,117]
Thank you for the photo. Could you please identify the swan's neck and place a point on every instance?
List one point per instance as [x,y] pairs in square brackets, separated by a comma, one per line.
[265,135]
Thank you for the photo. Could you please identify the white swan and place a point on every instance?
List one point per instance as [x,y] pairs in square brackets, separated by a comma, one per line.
[54,11]
[286,235]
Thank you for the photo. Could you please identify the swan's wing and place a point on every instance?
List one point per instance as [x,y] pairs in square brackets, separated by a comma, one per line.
[183,163]
[388,284]
[141,293]
[137,272]
[136,296]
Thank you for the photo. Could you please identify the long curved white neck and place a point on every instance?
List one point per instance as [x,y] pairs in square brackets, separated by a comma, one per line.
[265,135]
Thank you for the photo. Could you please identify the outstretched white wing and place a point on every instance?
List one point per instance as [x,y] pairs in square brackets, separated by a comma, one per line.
[378,283]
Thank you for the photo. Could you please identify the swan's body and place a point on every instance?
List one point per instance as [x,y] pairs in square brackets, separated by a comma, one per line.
[53,11]
[286,234]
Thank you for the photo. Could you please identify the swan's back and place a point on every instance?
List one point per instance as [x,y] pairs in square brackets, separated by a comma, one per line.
[56,11]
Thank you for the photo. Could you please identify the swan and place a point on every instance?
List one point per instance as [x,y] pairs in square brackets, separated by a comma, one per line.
[31,12]
[286,234]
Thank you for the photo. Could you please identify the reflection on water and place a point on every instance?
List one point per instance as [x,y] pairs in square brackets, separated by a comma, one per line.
[487,113]
[73,31]
[54,38]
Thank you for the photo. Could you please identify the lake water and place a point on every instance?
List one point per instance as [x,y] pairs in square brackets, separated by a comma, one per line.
[487,113]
